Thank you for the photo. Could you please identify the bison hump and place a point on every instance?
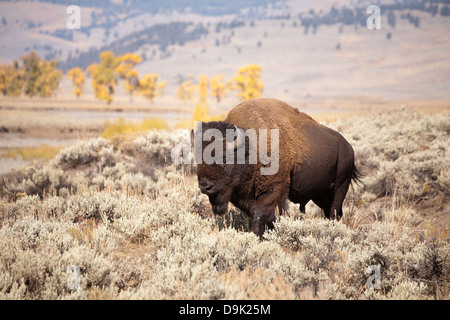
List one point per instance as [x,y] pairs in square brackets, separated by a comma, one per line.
[267,113]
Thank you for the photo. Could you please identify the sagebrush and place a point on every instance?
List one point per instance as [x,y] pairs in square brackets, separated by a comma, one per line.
[137,227]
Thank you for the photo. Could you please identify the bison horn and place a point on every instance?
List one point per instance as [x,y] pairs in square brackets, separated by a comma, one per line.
[240,139]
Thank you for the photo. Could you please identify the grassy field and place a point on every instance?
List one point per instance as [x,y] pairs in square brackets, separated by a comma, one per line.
[136,226]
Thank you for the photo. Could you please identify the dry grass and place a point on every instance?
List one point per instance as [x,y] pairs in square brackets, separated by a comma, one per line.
[255,285]
[138,228]
[123,127]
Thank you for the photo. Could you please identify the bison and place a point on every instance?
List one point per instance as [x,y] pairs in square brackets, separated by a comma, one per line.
[314,163]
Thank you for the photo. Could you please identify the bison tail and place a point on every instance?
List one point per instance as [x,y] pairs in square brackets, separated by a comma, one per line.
[356,175]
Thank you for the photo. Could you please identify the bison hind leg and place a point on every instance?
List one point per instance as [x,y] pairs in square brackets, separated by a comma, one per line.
[302,207]
[325,201]
[338,200]
[331,201]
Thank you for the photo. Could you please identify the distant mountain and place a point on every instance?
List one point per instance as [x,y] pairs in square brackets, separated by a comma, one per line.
[204,7]
[163,35]
[176,33]
[305,47]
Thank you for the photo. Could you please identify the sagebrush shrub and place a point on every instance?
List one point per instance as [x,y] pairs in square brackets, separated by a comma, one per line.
[136,228]
[83,153]
[400,151]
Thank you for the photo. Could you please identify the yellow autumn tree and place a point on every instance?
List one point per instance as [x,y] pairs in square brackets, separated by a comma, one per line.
[148,85]
[3,71]
[78,80]
[203,87]
[218,87]
[186,90]
[104,76]
[127,62]
[11,79]
[48,82]
[40,77]
[91,70]
[201,111]
[247,82]
[131,82]
[126,72]
[31,73]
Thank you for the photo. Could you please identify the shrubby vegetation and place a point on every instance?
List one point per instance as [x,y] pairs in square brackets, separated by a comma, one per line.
[121,126]
[405,158]
[137,227]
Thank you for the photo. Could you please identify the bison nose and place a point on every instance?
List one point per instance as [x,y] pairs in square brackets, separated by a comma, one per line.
[206,186]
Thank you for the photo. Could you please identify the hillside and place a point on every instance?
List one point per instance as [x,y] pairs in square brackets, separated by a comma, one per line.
[309,50]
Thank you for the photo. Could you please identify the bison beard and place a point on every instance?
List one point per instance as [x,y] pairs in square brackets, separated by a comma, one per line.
[315,163]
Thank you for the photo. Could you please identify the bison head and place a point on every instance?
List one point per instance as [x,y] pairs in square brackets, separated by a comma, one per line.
[217,177]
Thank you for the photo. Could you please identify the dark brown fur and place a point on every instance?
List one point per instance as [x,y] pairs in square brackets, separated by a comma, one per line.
[315,163]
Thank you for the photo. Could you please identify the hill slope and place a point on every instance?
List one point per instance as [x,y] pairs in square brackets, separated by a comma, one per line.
[308,50]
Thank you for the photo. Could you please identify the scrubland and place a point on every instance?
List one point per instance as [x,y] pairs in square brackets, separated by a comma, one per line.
[137,227]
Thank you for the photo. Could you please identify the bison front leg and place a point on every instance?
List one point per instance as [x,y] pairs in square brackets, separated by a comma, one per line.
[260,217]
[262,212]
